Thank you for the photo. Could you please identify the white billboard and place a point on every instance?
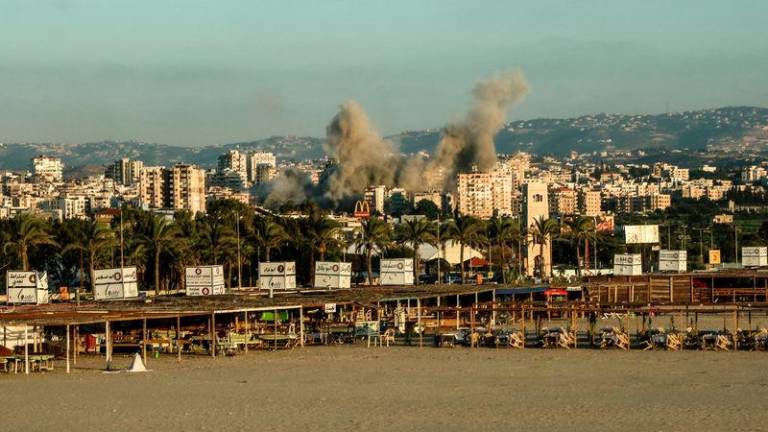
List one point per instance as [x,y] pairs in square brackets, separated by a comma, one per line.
[673,260]
[277,275]
[397,271]
[755,256]
[112,284]
[641,234]
[333,275]
[204,280]
[627,265]
[28,287]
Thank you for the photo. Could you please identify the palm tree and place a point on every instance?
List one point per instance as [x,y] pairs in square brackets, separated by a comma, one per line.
[215,236]
[94,240]
[542,231]
[502,232]
[374,234]
[320,233]
[161,236]
[268,234]
[415,232]
[466,231]
[580,229]
[27,232]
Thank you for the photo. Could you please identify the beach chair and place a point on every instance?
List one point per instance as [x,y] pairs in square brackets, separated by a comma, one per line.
[474,339]
[388,336]
[516,340]
[566,339]
[723,343]
[674,342]
[622,340]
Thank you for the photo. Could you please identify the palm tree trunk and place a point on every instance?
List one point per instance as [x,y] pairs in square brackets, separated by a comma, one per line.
[461,258]
[157,271]
[24,257]
[503,264]
[416,263]
[370,266]
[541,260]
[578,258]
[312,266]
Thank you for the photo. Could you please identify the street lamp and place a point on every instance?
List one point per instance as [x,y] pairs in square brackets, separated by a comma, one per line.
[239,261]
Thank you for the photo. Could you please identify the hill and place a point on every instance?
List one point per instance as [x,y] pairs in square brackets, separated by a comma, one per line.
[731,129]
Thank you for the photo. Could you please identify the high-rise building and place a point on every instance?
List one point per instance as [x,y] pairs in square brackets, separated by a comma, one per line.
[535,206]
[186,188]
[48,168]
[179,188]
[563,201]
[124,171]
[236,161]
[590,203]
[152,187]
[481,194]
[376,196]
[258,164]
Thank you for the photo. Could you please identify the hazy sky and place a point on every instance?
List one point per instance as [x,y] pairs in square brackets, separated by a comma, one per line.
[204,72]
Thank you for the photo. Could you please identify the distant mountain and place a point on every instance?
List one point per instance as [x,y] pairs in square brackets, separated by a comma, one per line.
[692,130]
[734,129]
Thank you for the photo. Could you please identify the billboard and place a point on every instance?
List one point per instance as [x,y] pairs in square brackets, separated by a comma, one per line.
[204,280]
[714,256]
[333,275]
[641,234]
[112,284]
[277,275]
[627,265]
[28,287]
[755,256]
[673,260]
[398,271]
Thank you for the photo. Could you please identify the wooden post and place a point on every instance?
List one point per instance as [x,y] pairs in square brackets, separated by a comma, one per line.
[67,348]
[493,310]
[472,324]
[522,321]
[418,320]
[77,344]
[26,351]
[301,326]
[247,330]
[108,340]
[437,315]
[275,344]
[178,338]
[144,339]
[211,335]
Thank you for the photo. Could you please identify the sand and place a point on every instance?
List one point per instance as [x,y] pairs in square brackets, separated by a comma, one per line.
[400,388]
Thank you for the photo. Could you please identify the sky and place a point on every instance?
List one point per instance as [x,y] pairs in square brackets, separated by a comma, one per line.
[198,73]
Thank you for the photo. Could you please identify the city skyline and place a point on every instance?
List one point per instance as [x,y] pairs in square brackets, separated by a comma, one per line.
[213,74]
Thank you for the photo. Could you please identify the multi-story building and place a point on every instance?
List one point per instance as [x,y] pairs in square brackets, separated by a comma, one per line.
[186,188]
[124,171]
[590,203]
[258,164]
[75,206]
[481,194]
[376,196]
[753,173]
[563,201]
[535,206]
[152,187]
[48,168]
[236,161]
[179,188]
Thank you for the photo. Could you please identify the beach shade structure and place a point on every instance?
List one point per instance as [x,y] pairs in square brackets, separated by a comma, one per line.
[137,365]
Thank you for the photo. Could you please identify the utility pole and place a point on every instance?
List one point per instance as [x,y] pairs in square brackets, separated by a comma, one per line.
[439,246]
[239,261]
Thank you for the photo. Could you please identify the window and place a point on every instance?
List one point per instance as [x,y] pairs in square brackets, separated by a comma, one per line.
[538,198]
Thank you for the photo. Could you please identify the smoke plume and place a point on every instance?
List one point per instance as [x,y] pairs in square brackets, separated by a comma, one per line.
[363,158]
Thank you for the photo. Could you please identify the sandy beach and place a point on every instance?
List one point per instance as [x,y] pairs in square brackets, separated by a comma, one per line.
[401,388]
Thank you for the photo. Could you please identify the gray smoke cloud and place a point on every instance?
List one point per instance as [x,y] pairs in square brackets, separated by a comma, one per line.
[364,158]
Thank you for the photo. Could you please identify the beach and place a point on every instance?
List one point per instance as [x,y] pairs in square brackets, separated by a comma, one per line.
[400,388]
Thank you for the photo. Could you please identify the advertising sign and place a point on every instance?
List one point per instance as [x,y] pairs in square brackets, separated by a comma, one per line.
[204,280]
[714,256]
[673,260]
[113,284]
[277,275]
[627,265]
[755,256]
[333,275]
[641,234]
[29,287]
[398,271]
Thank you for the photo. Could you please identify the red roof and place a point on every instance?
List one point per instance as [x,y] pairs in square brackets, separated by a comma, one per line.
[478,262]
